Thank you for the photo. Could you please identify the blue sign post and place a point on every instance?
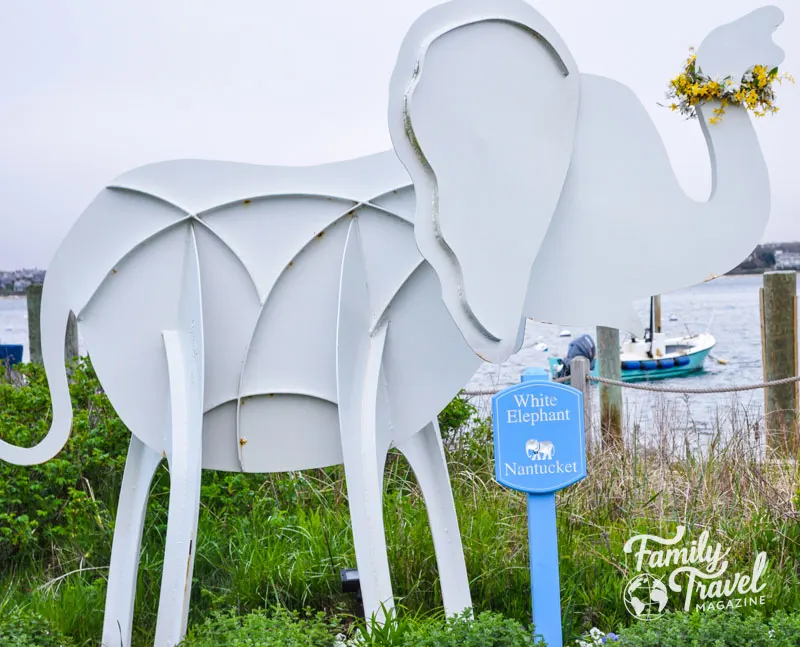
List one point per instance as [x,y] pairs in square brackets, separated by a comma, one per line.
[539,448]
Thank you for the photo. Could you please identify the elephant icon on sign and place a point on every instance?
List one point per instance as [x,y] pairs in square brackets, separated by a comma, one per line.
[539,450]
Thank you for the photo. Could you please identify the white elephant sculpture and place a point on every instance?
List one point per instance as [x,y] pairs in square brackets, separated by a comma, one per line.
[260,319]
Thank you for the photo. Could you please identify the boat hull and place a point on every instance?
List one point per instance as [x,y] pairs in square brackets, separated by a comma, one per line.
[640,369]
[695,364]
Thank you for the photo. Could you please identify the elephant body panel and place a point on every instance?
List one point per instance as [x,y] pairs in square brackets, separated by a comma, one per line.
[270,274]
[201,186]
[122,327]
[282,432]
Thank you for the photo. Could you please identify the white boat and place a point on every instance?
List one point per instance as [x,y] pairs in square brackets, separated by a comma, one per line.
[666,357]
[657,356]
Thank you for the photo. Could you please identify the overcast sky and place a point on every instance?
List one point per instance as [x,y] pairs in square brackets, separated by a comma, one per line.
[90,89]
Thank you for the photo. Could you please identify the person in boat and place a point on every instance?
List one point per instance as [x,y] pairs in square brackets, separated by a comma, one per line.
[582,346]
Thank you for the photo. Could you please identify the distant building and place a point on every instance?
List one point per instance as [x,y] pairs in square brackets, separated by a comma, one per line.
[19,280]
[786,260]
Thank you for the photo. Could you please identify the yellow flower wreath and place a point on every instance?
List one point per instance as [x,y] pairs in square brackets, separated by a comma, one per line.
[755,91]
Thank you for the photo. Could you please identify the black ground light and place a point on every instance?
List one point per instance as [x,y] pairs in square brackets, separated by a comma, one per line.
[352,584]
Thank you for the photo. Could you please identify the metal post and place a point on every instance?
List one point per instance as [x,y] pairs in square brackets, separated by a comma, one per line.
[543,551]
[610,396]
[545,581]
[779,350]
[579,370]
[657,313]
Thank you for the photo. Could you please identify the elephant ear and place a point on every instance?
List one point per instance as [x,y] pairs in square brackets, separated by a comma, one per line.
[482,113]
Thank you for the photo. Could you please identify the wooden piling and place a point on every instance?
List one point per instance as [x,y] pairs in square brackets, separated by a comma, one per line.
[610,396]
[579,370]
[71,350]
[778,299]
[34,298]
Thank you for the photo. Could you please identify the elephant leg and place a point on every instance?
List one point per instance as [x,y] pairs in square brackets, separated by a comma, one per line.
[363,426]
[140,467]
[185,462]
[365,443]
[425,454]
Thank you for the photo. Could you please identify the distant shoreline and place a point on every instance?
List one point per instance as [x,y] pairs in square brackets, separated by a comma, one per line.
[760,270]
[734,272]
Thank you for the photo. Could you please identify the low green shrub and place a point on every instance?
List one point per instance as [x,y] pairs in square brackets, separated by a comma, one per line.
[714,630]
[21,629]
[280,628]
[485,630]
[289,628]
[50,504]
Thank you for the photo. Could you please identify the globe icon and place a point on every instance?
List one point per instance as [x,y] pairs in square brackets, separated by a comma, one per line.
[645,597]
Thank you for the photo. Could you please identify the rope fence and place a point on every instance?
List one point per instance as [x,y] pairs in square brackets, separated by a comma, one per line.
[661,389]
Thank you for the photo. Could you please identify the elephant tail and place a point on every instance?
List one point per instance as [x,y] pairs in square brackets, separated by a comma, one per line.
[54,318]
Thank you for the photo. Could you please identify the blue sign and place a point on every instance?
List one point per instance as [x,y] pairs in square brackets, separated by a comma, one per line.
[539,443]
[539,448]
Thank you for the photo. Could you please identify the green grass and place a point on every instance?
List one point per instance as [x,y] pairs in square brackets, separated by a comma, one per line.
[282,539]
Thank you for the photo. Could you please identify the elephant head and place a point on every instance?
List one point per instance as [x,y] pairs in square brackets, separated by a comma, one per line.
[549,194]
[483,104]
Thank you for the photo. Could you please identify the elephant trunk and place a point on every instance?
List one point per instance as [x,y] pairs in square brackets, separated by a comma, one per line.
[740,185]
[54,318]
